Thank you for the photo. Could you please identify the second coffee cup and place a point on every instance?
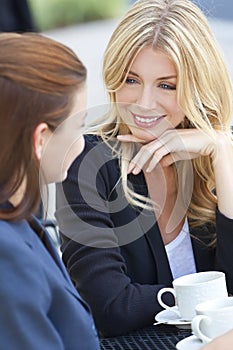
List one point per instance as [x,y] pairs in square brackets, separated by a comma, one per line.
[213,319]
[193,289]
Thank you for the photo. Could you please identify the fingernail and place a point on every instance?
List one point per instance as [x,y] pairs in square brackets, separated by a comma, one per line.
[136,171]
[130,168]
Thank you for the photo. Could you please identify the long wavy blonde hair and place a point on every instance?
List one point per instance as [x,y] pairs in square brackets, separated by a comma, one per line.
[204,91]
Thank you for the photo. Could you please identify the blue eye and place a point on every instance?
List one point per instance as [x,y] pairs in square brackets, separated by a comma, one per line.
[130,81]
[167,87]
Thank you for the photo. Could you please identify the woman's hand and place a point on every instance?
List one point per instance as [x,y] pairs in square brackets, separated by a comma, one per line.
[223,342]
[173,145]
[184,144]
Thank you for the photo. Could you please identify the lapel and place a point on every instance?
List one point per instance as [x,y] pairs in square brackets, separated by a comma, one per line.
[40,231]
[22,228]
[149,226]
[154,240]
[46,240]
[200,237]
[204,255]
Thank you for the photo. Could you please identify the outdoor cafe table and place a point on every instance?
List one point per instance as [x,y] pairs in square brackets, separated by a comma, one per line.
[160,337]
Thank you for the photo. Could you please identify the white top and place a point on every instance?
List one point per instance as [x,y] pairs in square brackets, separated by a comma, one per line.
[180,253]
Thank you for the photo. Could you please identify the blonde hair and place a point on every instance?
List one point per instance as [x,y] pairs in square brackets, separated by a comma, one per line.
[179,29]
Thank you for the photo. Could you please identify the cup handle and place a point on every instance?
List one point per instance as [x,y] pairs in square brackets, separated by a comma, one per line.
[196,328]
[160,301]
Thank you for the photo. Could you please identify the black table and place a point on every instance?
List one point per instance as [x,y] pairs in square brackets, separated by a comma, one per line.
[161,337]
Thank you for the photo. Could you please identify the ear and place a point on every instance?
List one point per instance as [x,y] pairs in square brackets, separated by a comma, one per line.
[40,137]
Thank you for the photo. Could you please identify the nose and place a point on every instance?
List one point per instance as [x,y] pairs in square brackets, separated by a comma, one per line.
[146,98]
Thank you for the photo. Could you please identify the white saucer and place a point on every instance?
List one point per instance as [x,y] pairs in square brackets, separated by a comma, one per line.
[171,318]
[190,343]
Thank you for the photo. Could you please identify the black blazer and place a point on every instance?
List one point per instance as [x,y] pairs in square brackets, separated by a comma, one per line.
[113,252]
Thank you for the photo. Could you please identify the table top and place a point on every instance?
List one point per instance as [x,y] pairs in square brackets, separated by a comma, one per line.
[161,337]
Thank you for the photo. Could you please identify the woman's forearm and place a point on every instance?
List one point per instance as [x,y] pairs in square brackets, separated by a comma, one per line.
[223,170]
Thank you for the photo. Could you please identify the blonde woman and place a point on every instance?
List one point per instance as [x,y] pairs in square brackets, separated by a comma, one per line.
[150,198]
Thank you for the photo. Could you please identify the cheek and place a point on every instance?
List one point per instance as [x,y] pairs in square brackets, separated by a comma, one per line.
[119,96]
[175,112]
[125,115]
[177,117]
[52,166]
[74,151]
[125,95]
[59,156]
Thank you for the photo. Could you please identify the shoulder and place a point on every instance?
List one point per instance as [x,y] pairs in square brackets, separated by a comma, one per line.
[204,233]
[18,257]
[224,225]
[95,145]
[97,157]
[17,242]
[12,233]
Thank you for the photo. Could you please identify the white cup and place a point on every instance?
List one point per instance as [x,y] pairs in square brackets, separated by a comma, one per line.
[191,290]
[214,318]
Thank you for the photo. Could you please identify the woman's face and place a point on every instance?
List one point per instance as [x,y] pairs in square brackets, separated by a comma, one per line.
[147,101]
[65,143]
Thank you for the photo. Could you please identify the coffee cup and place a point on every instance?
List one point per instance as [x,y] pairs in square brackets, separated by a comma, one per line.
[214,318]
[193,289]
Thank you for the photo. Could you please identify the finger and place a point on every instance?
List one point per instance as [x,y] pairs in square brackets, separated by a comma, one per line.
[160,151]
[137,163]
[169,159]
[159,155]
[154,150]
[129,138]
[176,156]
[132,168]
[143,156]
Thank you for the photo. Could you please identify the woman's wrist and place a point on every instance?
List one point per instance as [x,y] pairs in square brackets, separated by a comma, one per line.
[222,149]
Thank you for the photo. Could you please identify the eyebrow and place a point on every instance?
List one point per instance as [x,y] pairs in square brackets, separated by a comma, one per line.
[168,77]
[161,78]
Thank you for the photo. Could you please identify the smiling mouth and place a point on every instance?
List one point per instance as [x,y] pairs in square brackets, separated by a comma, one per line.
[146,120]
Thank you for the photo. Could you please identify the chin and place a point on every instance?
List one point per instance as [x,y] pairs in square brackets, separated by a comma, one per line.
[146,135]
[64,176]
[60,178]
[57,178]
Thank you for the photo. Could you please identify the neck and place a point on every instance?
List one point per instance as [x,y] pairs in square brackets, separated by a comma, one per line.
[169,211]
[164,178]
[17,197]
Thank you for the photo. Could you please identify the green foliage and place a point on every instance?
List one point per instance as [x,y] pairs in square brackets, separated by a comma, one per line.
[59,13]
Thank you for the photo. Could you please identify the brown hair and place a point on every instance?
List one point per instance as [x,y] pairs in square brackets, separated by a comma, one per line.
[38,81]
